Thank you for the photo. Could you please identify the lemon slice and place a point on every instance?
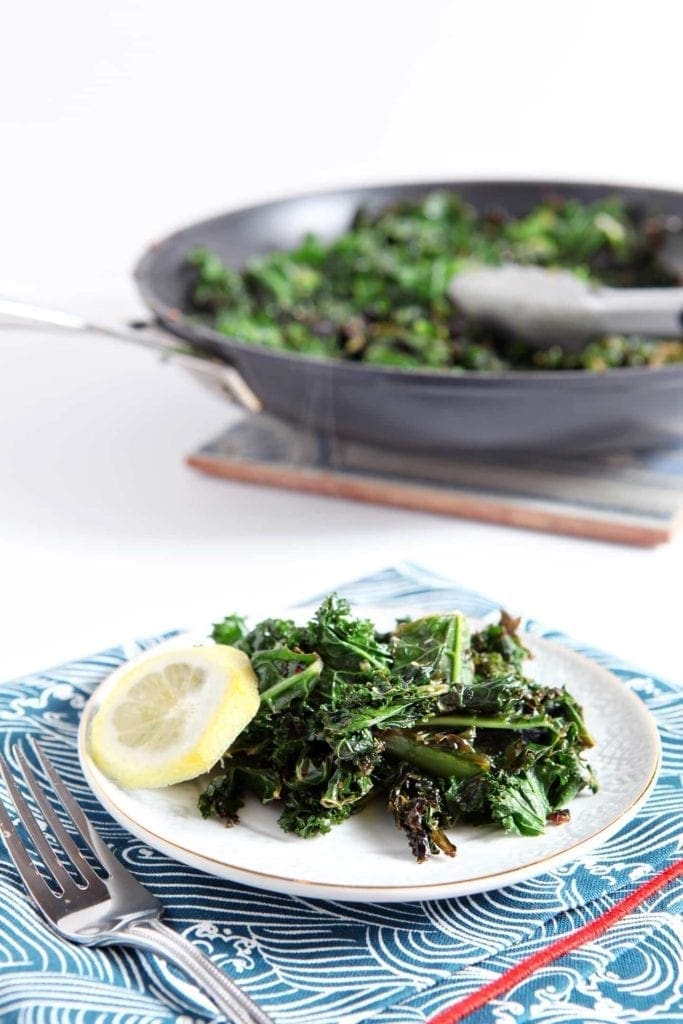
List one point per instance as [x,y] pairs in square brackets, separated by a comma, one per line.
[172,716]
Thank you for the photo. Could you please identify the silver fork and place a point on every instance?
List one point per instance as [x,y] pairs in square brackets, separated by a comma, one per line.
[96,911]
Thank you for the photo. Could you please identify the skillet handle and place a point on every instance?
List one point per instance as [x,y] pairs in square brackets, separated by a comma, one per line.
[208,370]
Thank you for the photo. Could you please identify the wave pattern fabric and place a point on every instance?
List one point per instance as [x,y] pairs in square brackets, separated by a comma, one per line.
[319,962]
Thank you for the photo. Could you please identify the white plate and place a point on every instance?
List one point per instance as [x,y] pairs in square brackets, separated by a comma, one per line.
[366,859]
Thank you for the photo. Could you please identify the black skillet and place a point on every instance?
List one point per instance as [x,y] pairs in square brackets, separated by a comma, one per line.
[567,410]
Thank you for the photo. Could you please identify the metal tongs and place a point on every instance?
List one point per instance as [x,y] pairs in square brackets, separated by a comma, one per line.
[546,307]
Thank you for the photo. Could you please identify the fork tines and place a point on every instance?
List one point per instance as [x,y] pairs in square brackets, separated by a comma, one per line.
[50,900]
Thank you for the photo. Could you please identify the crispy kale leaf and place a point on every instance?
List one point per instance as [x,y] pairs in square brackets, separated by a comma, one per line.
[443,725]
[379,292]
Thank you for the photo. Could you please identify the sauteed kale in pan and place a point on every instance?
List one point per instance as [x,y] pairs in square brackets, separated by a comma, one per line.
[378,293]
[440,723]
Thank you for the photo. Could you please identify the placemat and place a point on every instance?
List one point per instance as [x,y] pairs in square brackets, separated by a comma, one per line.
[312,961]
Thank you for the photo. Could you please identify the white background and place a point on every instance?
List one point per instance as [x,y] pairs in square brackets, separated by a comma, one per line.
[121,121]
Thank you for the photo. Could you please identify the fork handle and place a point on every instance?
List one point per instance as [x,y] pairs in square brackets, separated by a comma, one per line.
[229,998]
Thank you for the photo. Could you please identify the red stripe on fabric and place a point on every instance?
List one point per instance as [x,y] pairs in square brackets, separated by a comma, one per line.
[555,950]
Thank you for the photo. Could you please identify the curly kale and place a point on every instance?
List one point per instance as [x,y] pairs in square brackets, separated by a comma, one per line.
[379,292]
[441,724]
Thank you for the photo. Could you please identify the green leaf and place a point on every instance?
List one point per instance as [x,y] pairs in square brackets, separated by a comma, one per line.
[519,804]
[436,644]
[231,631]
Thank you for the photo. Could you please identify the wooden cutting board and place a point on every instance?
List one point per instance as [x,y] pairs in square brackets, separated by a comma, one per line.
[626,498]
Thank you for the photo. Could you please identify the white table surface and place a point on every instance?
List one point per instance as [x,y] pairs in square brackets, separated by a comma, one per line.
[120,122]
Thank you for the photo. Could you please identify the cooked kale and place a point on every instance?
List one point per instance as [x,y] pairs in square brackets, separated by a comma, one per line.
[441,724]
[378,293]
